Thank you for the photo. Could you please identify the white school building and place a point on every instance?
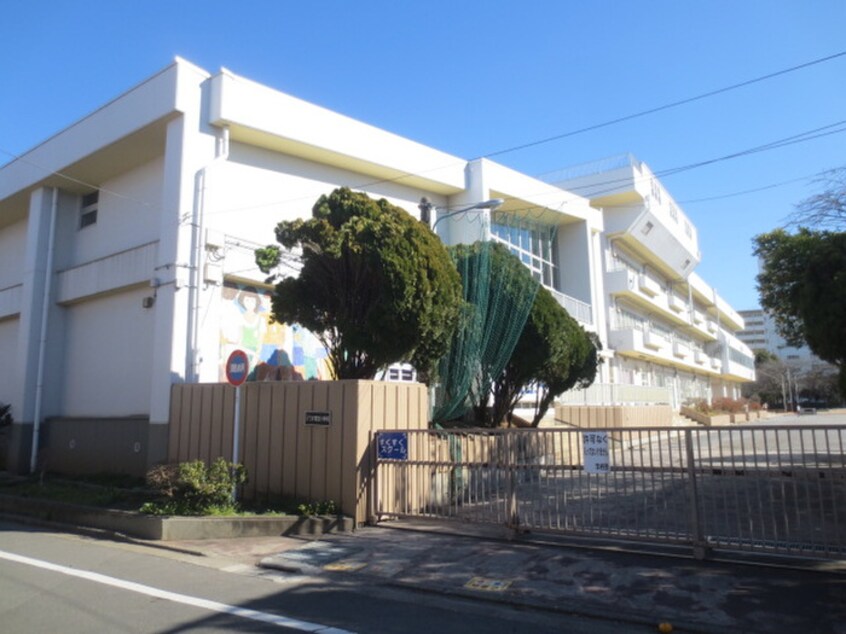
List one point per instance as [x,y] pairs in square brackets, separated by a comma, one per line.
[126,259]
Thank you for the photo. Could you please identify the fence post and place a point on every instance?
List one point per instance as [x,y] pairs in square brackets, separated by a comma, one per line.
[700,547]
[513,521]
[372,516]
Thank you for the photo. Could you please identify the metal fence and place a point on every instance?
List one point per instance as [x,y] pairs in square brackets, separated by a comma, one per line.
[778,490]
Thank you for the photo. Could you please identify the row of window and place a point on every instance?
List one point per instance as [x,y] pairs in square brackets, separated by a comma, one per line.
[88,210]
[532,243]
[673,210]
[625,319]
[738,357]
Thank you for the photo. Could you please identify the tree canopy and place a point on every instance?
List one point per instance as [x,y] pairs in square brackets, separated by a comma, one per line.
[554,353]
[802,285]
[376,286]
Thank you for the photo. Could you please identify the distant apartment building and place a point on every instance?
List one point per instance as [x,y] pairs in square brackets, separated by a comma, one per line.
[760,333]
[127,258]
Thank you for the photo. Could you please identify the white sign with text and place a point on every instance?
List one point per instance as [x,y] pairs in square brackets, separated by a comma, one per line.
[595,444]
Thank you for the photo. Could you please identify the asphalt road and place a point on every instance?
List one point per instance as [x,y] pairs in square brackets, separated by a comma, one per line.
[59,582]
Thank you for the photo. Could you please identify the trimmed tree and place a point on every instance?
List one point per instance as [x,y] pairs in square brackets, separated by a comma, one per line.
[376,286]
[554,353]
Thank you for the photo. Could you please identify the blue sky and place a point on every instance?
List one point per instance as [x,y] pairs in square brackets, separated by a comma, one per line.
[473,78]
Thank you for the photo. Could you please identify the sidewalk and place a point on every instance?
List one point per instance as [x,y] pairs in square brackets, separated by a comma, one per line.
[694,596]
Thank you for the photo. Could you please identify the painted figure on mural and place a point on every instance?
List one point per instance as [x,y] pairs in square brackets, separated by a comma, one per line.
[252,323]
[276,351]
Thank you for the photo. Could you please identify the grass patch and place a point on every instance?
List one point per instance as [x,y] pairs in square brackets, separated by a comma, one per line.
[127,493]
[76,492]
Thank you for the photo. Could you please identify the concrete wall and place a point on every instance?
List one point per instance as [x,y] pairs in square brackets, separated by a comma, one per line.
[102,445]
[574,261]
[614,416]
[8,350]
[107,365]
[12,248]
[283,455]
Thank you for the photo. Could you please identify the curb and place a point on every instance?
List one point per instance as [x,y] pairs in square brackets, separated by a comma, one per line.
[129,524]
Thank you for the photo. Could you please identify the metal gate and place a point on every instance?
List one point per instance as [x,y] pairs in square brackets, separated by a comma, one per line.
[772,489]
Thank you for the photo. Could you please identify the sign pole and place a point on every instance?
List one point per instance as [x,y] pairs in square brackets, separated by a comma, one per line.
[236,426]
[236,436]
[237,370]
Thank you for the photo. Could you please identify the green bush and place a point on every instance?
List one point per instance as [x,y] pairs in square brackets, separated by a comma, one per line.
[327,507]
[194,488]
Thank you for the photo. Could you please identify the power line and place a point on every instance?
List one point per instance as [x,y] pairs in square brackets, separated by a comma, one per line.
[808,135]
[517,147]
[797,138]
[664,173]
[751,191]
[667,106]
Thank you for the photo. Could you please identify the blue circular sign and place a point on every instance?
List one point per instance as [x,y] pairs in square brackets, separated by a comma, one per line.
[237,367]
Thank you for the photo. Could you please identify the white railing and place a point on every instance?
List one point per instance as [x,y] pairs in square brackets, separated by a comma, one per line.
[616,394]
[578,310]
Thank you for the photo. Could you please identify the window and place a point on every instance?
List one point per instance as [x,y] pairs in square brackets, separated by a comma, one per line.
[532,243]
[674,212]
[88,212]
[738,357]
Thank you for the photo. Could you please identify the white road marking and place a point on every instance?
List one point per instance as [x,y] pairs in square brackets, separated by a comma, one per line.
[213,606]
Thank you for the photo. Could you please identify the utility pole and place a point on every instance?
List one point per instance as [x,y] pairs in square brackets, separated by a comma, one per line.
[783,395]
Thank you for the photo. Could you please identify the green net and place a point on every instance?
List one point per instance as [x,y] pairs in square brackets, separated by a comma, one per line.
[498,293]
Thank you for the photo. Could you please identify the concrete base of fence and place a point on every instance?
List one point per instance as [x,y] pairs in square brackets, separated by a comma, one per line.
[170,528]
[605,416]
[716,420]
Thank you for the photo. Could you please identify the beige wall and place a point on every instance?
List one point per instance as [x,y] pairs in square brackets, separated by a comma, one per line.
[283,455]
[614,416]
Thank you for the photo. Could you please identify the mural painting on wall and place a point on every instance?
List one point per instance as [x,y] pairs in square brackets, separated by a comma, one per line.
[277,352]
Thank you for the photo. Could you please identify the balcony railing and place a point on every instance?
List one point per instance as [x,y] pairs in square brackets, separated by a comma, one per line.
[652,339]
[648,285]
[616,394]
[676,303]
[578,310]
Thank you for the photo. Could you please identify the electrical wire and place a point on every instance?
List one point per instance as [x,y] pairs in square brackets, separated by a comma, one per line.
[667,106]
[692,201]
[495,153]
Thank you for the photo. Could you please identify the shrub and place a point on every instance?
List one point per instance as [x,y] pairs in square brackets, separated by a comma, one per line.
[327,507]
[701,406]
[194,488]
[722,405]
[727,405]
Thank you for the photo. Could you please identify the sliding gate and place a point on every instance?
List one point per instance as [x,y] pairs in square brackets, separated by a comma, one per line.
[773,489]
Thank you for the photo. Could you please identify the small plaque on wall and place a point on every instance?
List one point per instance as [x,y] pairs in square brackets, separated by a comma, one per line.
[320,419]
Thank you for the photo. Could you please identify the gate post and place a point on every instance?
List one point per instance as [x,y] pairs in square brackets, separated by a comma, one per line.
[372,505]
[513,521]
[700,547]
